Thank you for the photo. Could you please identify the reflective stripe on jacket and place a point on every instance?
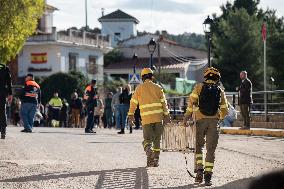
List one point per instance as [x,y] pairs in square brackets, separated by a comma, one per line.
[31,92]
[152,102]
[193,104]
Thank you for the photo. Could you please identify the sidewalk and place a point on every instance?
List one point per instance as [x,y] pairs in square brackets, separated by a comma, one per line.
[253,131]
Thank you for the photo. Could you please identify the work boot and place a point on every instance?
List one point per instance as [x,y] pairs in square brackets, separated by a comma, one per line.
[3,136]
[156,162]
[121,132]
[199,176]
[130,128]
[207,178]
[150,162]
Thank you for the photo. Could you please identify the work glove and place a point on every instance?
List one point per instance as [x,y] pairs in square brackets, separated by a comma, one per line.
[167,119]
[131,119]
[187,120]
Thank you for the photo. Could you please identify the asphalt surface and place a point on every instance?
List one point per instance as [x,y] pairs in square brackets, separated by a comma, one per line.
[56,158]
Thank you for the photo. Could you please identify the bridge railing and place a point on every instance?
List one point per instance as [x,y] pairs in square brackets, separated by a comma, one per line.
[275,102]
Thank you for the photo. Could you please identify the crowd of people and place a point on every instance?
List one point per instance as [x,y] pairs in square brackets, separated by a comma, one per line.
[79,112]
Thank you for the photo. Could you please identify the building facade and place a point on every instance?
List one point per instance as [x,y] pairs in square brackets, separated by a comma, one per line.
[119,26]
[49,51]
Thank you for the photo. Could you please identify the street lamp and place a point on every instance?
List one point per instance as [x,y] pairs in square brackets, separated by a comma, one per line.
[135,60]
[207,30]
[152,47]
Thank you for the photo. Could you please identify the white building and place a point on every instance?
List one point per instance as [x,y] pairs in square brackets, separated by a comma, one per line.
[119,26]
[184,62]
[50,52]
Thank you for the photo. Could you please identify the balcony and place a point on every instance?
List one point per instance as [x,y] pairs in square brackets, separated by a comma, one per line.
[73,36]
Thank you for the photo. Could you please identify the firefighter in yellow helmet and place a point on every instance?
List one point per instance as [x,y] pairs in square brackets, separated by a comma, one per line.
[154,113]
[208,102]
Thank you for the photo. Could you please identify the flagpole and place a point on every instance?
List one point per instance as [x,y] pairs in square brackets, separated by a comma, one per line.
[265,81]
[264,36]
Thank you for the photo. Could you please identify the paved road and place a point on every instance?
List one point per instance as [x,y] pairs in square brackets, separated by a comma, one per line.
[67,158]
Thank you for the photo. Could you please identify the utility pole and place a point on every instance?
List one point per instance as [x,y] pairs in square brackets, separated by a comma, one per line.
[86,14]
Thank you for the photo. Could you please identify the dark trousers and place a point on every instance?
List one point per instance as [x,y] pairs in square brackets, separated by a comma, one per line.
[3,119]
[90,119]
[245,111]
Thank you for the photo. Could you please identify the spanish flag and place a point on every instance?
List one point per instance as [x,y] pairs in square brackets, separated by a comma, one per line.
[38,58]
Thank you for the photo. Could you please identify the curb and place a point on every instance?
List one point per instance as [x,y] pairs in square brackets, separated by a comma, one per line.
[254,131]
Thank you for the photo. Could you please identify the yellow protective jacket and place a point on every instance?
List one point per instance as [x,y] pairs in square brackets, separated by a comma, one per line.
[193,101]
[152,102]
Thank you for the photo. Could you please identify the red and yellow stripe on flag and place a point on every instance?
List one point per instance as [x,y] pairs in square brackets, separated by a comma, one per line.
[38,58]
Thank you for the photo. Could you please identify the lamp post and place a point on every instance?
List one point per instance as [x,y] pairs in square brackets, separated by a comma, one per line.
[207,30]
[152,47]
[135,60]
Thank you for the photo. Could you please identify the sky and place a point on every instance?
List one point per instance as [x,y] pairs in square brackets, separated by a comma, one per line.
[174,16]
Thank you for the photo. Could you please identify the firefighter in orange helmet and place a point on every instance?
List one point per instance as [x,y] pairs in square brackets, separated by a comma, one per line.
[154,113]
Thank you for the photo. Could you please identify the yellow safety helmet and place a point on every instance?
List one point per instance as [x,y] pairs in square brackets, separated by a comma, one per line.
[146,71]
[211,72]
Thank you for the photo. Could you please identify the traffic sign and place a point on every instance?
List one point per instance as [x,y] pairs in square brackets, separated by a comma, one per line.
[134,79]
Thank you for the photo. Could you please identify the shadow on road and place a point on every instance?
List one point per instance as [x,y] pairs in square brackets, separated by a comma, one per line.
[121,178]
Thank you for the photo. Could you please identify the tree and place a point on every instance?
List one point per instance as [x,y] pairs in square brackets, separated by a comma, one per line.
[18,20]
[113,56]
[238,48]
[275,46]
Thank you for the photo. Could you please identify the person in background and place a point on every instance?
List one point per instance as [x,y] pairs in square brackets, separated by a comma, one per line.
[76,106]
[99,110]
[125,98]
[38,118]
[56,104]
[15,111]
[230,118]
[63,119]
[108,110]
[245,99]
[115,103]
[30,100]
[90,103]
[5,91]
[137,117]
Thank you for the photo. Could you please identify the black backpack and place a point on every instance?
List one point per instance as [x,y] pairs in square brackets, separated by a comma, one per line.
[209,99]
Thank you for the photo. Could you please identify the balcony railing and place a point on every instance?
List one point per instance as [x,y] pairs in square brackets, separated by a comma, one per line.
[73,36]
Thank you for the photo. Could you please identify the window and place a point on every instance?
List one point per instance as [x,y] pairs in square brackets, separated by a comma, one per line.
[72,61]
[92,66]
[117,36]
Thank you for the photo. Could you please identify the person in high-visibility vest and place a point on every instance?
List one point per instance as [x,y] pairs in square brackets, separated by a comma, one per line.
[209,104]
[56,104]
[30,100]
[154,113]
[90,101]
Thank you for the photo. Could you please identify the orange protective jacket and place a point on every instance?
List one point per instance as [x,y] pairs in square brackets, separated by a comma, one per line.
[152,102]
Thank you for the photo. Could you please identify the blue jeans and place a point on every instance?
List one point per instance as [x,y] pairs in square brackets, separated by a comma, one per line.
[28,111]
[124,111]
[118,116]
[109,117]
[228,121]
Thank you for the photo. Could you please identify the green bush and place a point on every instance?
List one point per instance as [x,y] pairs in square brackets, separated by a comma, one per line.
[65,84]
